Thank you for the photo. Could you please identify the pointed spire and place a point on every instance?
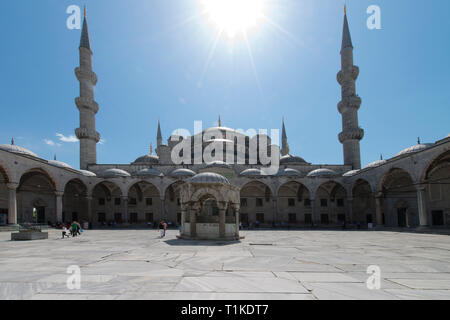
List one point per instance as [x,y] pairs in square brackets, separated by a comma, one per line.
[418,140]
[220,122]
[284,141]
[346,38]
[159,135]
[12,141]
[151,148]
[381,156]
[54,157]
[84,41]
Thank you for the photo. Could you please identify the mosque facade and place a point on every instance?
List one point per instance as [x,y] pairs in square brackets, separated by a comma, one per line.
[411,189]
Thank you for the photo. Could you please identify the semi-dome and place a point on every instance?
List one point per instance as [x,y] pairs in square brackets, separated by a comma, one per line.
[182,172]
[218,164]
[114,173]
[289,172]
[322,173]
[16,149]
[251,172]
[289,158]
[376,164]
[87,173]
[414,149]
[147,159]
[149,172]
[350,173]
[208,177]
[59,164]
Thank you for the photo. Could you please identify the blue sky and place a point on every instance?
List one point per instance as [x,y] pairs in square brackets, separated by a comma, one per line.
[151,65]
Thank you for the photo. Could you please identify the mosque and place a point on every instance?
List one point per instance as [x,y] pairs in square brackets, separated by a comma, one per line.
[211,199]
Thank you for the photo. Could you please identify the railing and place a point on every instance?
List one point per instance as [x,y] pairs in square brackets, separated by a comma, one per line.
[30,227]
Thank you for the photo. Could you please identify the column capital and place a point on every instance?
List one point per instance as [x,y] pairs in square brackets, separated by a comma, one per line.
[59,193]
[12,185]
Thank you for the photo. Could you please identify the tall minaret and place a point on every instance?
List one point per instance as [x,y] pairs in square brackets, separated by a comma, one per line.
[88,108]
[284,142]
[348,107]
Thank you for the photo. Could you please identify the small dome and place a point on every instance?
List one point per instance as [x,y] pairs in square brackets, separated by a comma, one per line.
[251,172]
[148,158]
[149,172]
[289,172]
[59,164]
[350,173]
[414,149]
[218,164]
[182,172]
[16,149]
[87,173]
[208,177]
[114,173]
[219,140]
[291,159]
[376,164]
[322,173]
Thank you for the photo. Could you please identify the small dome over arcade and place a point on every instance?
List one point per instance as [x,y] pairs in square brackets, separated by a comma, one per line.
[182,172]
[289,158]
[114,173]
[251,172]
[322,173]
[289,172]
[218,164]
[208,177]
[350,173]
[87,173]
[149,172]
[59,164]
[414,149]
[17,149]
[376,164]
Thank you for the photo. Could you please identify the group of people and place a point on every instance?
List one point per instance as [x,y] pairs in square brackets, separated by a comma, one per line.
[74,229]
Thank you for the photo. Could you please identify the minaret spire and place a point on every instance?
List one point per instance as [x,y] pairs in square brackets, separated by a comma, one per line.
[159,135]
[284,142]
[86,104]
[348,107]
[220,122]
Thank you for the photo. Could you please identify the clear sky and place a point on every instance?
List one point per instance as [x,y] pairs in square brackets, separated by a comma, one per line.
[154,59]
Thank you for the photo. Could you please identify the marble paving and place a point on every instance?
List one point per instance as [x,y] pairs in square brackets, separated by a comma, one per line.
[266,265]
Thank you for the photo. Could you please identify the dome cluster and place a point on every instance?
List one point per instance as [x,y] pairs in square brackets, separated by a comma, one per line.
[147,159]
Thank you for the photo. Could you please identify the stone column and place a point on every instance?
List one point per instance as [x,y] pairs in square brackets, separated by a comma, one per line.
[350,209]
[183,218]
[59,206]
[222,223]
[422,205]
[313,211]
[275,211]
[163,209]
[236,211]
[193,222]
[379,210]
[89,209]
[12,209]
[125,209]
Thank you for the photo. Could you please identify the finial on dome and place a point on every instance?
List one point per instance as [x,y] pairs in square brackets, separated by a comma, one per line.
[418,140]
[381,156]
[85,11]
[12,141]
[151,148]
[54,158]
[220,121]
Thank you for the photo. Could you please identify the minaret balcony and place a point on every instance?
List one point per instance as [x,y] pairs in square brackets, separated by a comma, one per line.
[86,103]
[344,75]
[86,75]
[85,133]
[351,134]
[353,102]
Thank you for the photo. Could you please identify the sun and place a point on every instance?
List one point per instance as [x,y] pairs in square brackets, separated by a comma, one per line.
[234,16]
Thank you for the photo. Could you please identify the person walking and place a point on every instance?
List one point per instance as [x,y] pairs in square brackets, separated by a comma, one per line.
[162,231]
[73,229]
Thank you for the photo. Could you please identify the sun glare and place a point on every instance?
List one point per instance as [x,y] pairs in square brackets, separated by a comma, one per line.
[234,16]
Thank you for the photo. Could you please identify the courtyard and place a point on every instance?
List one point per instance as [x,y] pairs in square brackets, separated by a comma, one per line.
[266,265]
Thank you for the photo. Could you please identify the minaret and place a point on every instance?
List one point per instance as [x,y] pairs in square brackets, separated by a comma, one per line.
[88,108]
[284,142]
[348,107]
[159,138]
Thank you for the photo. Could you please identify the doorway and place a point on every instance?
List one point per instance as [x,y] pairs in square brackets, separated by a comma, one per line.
[401,216]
